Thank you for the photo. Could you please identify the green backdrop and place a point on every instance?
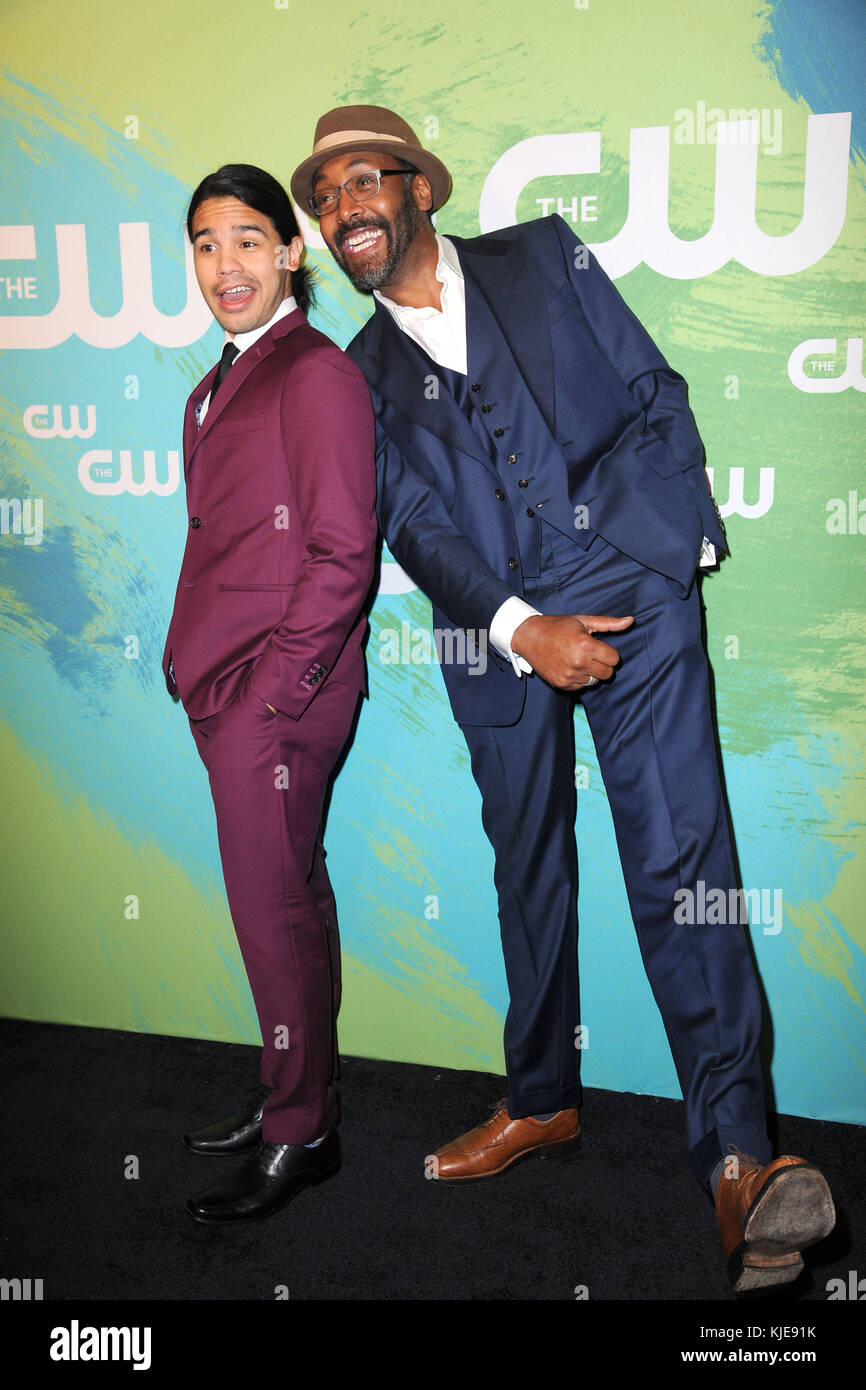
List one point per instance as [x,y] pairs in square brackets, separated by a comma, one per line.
[738,245]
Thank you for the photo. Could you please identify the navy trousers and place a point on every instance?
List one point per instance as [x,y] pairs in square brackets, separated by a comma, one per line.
[653,734]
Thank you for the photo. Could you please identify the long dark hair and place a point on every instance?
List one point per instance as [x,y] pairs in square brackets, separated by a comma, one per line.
[261,191]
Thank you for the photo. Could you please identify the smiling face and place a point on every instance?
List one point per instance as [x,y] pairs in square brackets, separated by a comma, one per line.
[242,267]
[374,241]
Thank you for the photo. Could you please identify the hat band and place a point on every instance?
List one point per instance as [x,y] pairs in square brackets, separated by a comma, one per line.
[342,137]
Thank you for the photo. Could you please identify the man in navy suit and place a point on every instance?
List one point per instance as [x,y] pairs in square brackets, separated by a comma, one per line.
[541,477]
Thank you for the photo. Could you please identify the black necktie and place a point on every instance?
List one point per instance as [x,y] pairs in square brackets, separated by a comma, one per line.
[230,352]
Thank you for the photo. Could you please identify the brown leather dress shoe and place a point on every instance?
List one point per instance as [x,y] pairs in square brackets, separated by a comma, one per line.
[768,1215]
[500,1141]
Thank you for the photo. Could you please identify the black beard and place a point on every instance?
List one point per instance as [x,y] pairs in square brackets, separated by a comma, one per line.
[399,236]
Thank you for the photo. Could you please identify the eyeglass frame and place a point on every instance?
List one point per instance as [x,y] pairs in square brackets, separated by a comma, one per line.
[344,187]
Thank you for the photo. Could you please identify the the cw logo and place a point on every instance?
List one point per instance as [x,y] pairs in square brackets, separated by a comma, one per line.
[74,313]
[736,503]
[646,235]
[822,375]
[37,426]
[96,473]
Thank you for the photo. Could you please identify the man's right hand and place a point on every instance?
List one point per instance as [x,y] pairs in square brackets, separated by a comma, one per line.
[563,651]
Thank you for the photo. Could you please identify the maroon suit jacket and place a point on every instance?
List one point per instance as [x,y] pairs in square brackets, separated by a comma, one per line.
[281,490]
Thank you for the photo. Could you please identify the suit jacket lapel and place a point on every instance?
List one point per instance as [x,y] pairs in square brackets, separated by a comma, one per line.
[397,369]
[230,387]
[509,282]
[190,428]
[235,379]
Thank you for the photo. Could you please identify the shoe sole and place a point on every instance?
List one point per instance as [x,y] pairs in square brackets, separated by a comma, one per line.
[561,1149]
[793,1211]
[215,1220]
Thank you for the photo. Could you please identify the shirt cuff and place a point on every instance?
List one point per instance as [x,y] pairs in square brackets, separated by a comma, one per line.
[506,620]
[708,555]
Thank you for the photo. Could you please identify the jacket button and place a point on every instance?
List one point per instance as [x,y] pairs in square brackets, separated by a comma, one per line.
[512,458]
[500,432]
[476,386]
[195,522]
[500,494]
[530,512]
[486,409]
[523,482]
[512,563]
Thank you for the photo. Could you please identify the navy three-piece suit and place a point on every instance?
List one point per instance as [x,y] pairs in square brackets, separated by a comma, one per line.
[566,467]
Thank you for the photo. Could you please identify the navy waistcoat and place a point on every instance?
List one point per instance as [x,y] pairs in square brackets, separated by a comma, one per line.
[503,413]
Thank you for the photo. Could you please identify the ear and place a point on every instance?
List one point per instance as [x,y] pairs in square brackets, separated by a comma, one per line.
[293,253]
[423,192]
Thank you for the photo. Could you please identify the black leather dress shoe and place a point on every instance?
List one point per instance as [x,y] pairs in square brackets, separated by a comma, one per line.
[234,1135]
[266,1181]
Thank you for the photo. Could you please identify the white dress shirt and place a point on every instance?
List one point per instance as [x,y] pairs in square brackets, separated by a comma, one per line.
[244,340]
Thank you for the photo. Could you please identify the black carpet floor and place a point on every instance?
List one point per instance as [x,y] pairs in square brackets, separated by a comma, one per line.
[85,1110]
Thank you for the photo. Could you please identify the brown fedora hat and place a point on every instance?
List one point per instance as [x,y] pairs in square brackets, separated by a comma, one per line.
[349,128]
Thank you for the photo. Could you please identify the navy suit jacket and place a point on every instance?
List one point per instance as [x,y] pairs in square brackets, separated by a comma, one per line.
[620,415]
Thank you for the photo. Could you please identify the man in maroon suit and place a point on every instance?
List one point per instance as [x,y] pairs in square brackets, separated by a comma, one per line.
[265,649]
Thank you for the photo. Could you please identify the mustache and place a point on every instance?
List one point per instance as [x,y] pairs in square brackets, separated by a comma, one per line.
[351,228]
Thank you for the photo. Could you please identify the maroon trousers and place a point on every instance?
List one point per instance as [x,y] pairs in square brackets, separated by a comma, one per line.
[269,777]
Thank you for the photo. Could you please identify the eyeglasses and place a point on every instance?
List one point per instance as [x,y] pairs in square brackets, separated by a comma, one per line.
[361,187]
